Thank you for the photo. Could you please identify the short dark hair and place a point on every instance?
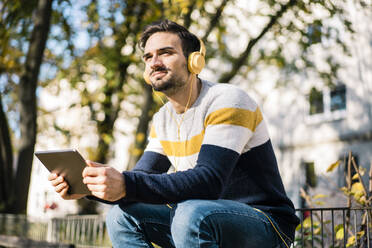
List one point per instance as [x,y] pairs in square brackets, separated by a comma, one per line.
[189,42]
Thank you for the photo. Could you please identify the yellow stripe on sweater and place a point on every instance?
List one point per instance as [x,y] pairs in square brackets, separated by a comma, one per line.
[235,116]
[227,116]
[183,148]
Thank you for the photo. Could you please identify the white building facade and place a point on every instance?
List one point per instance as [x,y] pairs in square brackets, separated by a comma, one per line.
[314,125]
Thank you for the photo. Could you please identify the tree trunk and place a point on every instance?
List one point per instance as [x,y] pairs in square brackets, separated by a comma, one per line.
[28,110]
[6,163]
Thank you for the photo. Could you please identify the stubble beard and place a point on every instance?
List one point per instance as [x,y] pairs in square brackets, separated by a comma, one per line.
[171,85]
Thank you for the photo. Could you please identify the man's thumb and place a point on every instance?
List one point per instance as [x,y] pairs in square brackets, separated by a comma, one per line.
[94,164]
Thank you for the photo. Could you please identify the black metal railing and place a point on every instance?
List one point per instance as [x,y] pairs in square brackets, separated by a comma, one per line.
[334,227]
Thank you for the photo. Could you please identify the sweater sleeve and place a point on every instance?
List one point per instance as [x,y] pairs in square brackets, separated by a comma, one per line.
[150,163]
[205,181]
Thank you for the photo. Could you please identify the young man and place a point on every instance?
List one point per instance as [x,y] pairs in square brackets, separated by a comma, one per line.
[224,189]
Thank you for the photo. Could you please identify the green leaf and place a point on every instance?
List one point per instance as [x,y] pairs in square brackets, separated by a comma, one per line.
[350,241]
[361,172]
[357,189]
[340,233]
[318,196]
[333,166]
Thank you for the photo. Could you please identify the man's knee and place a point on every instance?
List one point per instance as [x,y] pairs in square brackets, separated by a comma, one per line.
[191,210]
[113,216]
[119,218]
[187,219]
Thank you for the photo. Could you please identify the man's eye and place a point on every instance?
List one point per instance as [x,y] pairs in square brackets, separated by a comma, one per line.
[147,58]
[165,53]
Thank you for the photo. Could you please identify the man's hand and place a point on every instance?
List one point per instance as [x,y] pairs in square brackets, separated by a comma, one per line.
[104,182]
[61,187]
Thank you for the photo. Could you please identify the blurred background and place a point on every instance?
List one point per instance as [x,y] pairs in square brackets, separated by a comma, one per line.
[71,77]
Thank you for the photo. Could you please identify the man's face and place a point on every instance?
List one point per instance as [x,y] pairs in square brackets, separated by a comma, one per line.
[165,62]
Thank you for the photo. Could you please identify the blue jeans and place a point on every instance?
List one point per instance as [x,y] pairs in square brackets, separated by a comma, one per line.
[192,223]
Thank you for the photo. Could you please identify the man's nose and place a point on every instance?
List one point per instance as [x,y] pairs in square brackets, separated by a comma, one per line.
[155,62]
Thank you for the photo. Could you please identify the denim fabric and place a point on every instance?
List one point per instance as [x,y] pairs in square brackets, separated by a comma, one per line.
[189,224]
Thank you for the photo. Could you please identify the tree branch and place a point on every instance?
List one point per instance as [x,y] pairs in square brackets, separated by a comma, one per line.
[242,59]
[215,19]
[187,16]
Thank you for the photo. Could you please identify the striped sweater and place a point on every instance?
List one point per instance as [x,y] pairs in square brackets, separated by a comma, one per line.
[219,149]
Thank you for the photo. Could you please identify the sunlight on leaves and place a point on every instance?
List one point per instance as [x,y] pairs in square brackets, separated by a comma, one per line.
[360,234]
[333,166]
[318,196]
[357,189]
[321,203]
[317,230]
[350,241]
[339,232]
[361,172]
[140,137]
[307,224]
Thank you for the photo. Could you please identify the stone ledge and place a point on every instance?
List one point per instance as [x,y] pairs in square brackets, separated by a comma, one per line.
[14,241]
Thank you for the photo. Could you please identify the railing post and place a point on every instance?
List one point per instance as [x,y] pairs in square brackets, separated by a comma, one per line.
[52,230]
[49,230]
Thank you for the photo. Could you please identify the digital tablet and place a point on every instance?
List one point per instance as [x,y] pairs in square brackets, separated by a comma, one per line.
[67,163]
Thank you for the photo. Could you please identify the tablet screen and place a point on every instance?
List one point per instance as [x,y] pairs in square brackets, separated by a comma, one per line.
[67,163]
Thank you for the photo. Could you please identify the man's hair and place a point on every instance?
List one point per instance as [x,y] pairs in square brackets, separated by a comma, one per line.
[189,42]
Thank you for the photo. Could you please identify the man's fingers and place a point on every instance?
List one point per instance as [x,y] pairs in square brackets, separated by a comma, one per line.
[52,176]
[94,164]
[64,193]
[97,187]
[57,181]
[61,187]
[95,180]
[94,171]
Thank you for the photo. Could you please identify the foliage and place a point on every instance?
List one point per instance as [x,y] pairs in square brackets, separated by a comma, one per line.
[357,195]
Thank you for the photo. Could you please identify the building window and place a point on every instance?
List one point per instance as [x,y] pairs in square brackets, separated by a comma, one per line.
[327,105]
[338,98]
[316,101]
[311,179]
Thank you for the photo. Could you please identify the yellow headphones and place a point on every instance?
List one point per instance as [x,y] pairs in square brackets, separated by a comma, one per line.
[195,62]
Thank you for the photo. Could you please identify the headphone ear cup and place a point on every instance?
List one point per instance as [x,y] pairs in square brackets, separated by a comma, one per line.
[147,78]
[196,62]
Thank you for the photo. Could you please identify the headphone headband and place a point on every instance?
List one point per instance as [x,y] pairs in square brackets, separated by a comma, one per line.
[203,51]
